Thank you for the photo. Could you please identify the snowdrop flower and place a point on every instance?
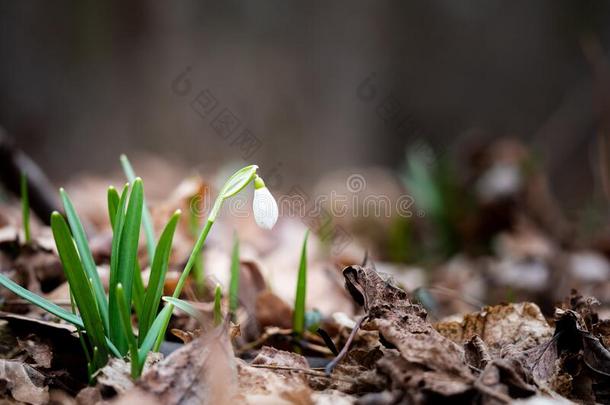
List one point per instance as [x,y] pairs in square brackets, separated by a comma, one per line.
[264,205]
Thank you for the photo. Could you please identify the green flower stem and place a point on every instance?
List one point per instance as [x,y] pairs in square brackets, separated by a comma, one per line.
[167,311]
[234,283]
[192,258]
[237,182]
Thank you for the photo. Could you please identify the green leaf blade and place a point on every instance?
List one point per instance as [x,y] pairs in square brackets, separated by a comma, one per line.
[155,334]
[86,258]
[158,272]
[124,257]
[138,292]
[113,204]
[184,306]
[41,302]
[147,224]
[80,286]
[126,321]
[237,182]
[298,320]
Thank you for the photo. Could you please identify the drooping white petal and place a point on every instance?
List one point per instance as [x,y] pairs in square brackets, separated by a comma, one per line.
[264,208]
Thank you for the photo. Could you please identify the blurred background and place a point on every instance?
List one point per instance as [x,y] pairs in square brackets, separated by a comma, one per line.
[317,86]
[493,118]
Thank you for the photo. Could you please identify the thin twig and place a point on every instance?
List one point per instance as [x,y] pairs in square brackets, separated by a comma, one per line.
[13,163]
[454,294]
[317,372]
[263,338]
[328,341]
[330,366]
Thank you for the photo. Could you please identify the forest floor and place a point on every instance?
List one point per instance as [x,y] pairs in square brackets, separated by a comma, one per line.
[492,296]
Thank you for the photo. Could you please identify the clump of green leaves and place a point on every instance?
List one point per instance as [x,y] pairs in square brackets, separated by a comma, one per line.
[105,322]
[298,319]
[435,189]
[25,208]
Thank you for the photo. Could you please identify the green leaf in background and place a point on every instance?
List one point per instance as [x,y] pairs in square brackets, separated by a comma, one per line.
[234,284]
[217,305]
[80,286]
[25,208]
[420,181]
[298,320]
[158,272]
[86,258]
[435,188]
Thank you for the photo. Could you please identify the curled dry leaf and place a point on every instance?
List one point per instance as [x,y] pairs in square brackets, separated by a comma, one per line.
[509,351]
[427,361]
[584,360]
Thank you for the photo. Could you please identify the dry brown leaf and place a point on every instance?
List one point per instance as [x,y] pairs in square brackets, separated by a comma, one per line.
[53,347]
[116,375]
[89,396]
[23,382]
[427,361]
[272,311]
[275,384]
[201,372]
[519,324]
[40,352]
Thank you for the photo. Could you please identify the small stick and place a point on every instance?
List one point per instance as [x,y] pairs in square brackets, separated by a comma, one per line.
[14,162]
[310,371]
[328,341]
[330,366]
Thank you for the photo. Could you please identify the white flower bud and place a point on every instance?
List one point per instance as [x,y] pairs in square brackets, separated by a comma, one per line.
[264,208]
